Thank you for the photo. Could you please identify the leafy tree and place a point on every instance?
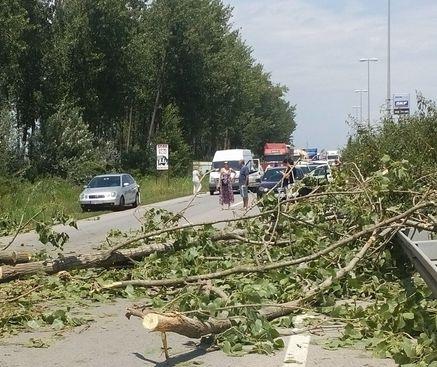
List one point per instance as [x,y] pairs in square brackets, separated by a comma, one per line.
[64,147]
[171,134]
[411,138]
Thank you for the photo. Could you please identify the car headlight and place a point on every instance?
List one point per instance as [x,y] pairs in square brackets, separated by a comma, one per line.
[265,189]
[113,194]
[82,196]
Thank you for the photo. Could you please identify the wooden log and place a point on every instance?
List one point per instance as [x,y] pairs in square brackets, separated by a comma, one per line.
[15,257]
[183,325]
[81,261]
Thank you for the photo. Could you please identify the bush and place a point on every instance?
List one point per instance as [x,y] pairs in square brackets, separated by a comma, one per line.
[409,138]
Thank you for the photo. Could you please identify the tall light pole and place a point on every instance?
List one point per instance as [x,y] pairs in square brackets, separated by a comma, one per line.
[356,108]
[368,60]
[361,91]
[388,98]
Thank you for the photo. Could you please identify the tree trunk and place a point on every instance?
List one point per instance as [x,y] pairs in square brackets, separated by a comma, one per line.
[77,261]
[14,257]
[183,325]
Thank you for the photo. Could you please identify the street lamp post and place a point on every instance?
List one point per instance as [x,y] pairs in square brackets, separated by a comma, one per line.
[356,108]
[388,98]
[368,60]
[361,91]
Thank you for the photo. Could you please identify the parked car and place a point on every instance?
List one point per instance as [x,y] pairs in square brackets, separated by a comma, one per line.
[272,179]
[110,191]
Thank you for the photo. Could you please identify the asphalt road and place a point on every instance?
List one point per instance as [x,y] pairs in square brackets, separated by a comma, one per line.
[93,231]
[112,340]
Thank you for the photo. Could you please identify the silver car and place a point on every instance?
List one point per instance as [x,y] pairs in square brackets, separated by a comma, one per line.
[112,191]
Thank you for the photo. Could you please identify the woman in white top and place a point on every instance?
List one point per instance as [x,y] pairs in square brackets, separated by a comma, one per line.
[196,182]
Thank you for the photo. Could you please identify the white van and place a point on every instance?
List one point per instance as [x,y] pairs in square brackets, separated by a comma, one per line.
[233,157]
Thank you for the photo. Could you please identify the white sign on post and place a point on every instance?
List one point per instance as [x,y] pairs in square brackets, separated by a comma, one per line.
[162,157]
[401,104]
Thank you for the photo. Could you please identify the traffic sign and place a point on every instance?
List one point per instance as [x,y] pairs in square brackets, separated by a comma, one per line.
[162,157]
[401,104]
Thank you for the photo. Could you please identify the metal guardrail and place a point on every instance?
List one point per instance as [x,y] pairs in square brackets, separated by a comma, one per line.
[422,252]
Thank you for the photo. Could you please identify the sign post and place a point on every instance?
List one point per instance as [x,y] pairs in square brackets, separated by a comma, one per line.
[401,104]
[162,160]
[162,157]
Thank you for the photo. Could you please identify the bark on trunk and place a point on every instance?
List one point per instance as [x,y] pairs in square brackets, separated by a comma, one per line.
[14,257]
[183,325]
[78,261]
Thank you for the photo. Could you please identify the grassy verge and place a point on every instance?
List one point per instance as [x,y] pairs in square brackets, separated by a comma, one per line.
[48,196]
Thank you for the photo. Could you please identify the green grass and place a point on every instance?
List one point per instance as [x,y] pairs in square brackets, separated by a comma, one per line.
[154,190]
[49,196]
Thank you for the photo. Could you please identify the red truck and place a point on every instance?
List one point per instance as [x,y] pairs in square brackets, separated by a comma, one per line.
[275,153]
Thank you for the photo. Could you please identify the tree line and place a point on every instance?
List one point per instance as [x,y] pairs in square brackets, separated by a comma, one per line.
[87,85]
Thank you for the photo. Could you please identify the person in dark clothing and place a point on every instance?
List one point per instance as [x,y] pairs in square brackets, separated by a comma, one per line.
[244,183]
[289,173]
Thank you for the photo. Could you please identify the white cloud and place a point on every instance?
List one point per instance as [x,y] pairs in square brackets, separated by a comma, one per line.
[313,47]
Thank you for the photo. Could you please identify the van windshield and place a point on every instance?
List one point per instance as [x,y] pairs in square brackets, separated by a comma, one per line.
[233,164]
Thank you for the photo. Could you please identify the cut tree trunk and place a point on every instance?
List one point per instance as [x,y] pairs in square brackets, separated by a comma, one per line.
[15,257]
[78,261]
[183,325]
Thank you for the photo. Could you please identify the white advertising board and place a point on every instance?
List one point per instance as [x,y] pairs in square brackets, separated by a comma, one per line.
[162,157]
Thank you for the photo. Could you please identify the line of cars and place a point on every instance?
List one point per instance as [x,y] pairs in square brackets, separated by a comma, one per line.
[272,177]
[117,191]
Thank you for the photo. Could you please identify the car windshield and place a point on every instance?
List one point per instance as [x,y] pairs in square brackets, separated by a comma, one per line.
[320,170]
[275,157]
[233,164]
[305,169]
[312,167]
[104,181]
[273,175]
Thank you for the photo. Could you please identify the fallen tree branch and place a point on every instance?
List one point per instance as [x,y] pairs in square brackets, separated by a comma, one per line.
[267,267]
[193,328]
[81,261]
[15,257]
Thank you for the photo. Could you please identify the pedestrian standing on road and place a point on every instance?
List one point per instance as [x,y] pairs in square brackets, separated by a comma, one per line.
[196,182]
[226,196]
[243,182]
[288,173]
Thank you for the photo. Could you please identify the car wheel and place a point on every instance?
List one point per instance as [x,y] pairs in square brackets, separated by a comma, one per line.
[121,203]
[137,201]
[211,192]
[84,208]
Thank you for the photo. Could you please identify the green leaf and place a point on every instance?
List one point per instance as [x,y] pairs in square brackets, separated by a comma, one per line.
[33,324]
[226,347]
[278,343]
[58,324]
[408,315]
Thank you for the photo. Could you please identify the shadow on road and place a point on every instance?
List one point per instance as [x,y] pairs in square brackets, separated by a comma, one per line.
[175,360]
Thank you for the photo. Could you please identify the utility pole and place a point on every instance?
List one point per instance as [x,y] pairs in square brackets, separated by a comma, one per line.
[361,91]
[388,98]
[368,60]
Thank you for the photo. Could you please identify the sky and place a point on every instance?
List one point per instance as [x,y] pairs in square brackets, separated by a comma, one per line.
[314,46]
